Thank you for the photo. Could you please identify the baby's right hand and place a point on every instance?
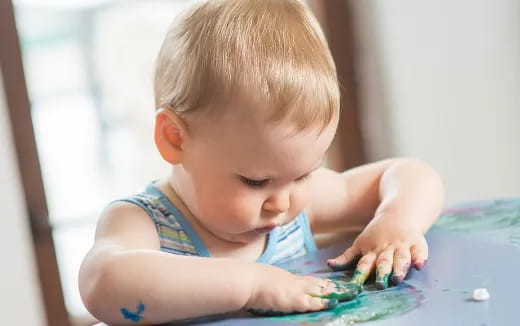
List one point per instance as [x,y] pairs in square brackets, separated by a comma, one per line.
[276,291]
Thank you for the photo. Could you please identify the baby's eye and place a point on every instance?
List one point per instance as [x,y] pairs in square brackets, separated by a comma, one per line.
[254,183]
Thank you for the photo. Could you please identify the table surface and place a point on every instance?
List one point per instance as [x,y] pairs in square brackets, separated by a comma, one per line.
[473,245]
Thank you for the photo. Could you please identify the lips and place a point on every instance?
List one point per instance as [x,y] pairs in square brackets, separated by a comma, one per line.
[266,229]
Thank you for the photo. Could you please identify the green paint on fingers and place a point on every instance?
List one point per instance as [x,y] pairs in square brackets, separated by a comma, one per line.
[382,279]
[360,277]
[367,306]
[345,291]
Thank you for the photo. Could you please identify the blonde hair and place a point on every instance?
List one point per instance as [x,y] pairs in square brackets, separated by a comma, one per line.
[274,48]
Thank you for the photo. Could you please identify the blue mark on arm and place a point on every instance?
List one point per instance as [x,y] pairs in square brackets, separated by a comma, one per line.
[133,316]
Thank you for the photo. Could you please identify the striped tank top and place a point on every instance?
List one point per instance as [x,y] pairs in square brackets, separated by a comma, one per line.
[178,237]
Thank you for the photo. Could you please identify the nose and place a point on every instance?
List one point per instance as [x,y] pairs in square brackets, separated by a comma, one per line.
[278,202]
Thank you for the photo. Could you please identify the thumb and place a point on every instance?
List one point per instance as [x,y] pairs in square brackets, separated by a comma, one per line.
[346,260]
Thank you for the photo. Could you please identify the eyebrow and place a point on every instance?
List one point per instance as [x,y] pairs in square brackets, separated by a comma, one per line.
[271,177]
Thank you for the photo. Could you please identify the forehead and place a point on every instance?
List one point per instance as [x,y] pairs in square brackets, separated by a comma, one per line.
[241,139]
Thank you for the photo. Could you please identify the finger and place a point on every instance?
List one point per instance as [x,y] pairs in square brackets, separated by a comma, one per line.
[363,269]
[322,303]
[329,303]
[346,260]
[341,291]
[331,287]
[419,255]
[323,287]
[314,303]
[344,291]
[384,267]
[401,264]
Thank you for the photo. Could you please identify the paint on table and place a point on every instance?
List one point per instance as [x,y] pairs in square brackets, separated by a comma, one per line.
[371,304]
[497,220]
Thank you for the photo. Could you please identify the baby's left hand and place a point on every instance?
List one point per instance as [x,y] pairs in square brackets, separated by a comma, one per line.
[388,248]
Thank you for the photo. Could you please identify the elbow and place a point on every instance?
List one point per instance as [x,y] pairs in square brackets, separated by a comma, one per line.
[425,174]
[91,279]
[423,167]
[95,281]
[428,172]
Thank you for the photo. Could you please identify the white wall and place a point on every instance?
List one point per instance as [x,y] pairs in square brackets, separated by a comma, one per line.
[442,83]
[20,299]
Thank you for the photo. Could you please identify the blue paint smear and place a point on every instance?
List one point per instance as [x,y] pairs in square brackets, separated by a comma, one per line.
[133,316]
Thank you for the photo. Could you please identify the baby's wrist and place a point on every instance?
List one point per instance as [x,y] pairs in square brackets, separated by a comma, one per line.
[259,277]
[253,276]
[388,222]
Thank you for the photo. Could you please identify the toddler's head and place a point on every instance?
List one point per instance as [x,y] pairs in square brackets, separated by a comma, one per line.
[248,102]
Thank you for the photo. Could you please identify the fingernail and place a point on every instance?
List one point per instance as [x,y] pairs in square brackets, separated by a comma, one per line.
[332,303]
[333,264]
[418,265]
[383,284]
[397,279]
[381,279]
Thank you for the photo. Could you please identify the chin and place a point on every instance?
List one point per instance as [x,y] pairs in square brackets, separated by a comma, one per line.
[247,238]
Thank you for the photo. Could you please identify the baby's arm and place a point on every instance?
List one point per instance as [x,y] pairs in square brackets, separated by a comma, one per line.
[125,279]
[394,201]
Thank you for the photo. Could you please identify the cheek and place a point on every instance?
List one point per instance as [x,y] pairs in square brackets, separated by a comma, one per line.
[231,208]
[300,199]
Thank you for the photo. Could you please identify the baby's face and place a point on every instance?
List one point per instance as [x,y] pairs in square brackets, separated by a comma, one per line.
[242,177]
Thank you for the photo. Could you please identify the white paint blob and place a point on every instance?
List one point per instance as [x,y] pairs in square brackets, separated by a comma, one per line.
[481,294]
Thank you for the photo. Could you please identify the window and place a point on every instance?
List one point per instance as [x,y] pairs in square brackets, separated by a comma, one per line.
[88,67]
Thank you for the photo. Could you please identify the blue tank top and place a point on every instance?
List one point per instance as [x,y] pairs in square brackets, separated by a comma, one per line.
[178,237]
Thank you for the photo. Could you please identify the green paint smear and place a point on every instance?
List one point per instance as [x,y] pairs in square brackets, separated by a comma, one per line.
[344,291]
[371,304]
[497,220]
[382,279]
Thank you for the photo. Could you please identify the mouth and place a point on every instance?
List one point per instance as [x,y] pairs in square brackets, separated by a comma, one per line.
[265,229]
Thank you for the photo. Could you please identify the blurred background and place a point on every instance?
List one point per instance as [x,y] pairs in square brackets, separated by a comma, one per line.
[437,80]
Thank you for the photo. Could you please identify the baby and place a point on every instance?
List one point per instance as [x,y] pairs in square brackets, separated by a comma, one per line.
[248,103]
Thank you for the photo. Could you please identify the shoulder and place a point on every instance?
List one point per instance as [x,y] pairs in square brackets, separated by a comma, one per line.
[128,225]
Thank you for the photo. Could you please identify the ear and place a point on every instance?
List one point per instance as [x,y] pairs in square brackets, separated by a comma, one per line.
[170,133]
